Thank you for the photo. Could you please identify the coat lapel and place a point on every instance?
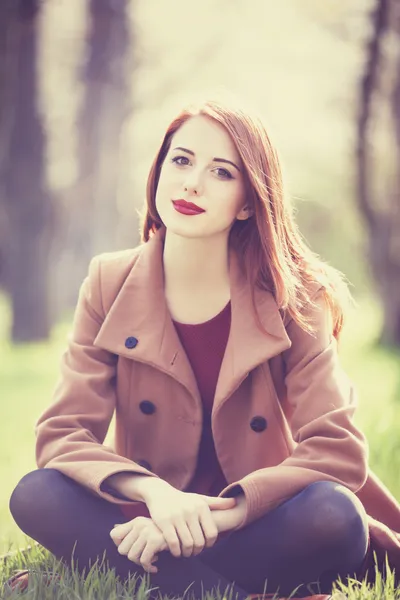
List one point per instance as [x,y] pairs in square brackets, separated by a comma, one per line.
[140,310]
[248,346]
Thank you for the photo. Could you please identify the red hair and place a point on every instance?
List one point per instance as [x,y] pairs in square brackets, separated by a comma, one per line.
[274,255]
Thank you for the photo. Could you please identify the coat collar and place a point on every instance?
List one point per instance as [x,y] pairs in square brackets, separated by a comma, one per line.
[140,310]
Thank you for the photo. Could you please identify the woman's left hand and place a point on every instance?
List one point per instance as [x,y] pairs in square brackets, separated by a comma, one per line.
[140,540]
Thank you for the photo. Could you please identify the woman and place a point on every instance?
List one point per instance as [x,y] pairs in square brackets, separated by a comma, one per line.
[236,458]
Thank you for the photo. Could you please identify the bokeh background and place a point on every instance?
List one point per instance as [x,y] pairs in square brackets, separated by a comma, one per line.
[86,90]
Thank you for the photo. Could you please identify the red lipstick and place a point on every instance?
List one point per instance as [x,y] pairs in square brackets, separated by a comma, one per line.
[187,208]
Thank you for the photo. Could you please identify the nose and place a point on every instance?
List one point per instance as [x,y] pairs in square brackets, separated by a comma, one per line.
[191,190]
[192,185]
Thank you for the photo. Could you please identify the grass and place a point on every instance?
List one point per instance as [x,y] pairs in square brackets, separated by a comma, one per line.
[28,374]
[100,582]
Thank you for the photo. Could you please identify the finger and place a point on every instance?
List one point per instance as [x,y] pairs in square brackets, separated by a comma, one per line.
[117,539]
[151,569]
[123,526]
[127,542]
[120,531]
[185,537]
[220,503]
[171,537]
[209,527]
[197,535]
[149,556]
[136,550]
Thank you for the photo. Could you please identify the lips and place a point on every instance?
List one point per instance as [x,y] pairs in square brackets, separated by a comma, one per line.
[187,207]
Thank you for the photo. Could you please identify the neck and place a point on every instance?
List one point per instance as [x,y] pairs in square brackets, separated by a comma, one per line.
[199,264]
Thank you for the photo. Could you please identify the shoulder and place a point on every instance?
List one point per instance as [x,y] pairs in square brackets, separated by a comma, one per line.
[319,316]
[316,294]
[107,274]
[113,267]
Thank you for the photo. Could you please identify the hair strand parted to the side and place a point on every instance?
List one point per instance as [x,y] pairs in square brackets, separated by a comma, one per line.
[274,255]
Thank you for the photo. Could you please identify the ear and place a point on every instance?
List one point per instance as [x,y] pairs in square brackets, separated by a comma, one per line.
[244,214]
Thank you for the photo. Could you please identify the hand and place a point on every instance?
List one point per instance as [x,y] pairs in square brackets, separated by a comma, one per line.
[229,520]
[139,539]
[185,519]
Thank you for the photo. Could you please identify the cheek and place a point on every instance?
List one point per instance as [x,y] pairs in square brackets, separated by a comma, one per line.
[168,181]
[235,201]
[166,190]
[163,187]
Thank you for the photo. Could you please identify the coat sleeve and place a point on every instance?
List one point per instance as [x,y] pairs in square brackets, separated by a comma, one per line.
[71,431]
[329,447]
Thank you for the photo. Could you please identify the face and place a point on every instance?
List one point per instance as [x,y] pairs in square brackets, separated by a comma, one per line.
[202,168]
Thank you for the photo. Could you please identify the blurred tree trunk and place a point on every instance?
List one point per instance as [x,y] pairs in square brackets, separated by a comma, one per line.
[7,24]
[92,213]
[381,214]
[394,308]
[28,205]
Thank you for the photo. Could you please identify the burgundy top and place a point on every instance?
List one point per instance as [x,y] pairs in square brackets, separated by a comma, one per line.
[204,344]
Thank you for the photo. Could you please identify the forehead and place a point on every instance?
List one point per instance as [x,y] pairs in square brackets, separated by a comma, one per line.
[205,137]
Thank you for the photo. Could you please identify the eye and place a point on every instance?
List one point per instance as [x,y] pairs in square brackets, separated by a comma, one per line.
[177,160]
[223,173]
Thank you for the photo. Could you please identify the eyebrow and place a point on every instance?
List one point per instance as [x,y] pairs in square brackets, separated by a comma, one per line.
[215,159]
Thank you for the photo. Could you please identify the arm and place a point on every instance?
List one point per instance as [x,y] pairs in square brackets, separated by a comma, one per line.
[133,486]
[329,445]
[70,433]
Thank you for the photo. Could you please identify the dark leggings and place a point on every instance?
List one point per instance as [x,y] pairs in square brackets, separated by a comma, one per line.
[318,535]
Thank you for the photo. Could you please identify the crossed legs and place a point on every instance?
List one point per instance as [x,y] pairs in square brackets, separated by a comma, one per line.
[315,536]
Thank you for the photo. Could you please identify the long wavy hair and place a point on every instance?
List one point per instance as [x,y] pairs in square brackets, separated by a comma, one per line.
[274,255]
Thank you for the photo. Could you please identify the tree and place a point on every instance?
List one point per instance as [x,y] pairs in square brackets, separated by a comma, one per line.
[381,211]
[91,214]
[27,202]
[7,19]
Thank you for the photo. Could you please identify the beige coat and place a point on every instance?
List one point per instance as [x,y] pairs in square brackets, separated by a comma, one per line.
[283,409]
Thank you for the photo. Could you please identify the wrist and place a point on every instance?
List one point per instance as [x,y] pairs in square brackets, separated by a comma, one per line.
[151,486]
[232,518]
[133,486]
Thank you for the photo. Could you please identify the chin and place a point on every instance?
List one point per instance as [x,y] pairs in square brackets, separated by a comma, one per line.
[191,227]
[182,227]
[186,232]
[193,233]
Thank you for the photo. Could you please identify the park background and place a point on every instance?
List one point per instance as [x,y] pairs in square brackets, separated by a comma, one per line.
[86,90]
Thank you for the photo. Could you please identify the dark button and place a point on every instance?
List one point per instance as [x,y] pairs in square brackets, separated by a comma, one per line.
[147,407]
[258,424]
[144,464]
[131,342]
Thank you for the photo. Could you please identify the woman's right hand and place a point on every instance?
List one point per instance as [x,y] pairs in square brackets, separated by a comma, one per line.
[185,519]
